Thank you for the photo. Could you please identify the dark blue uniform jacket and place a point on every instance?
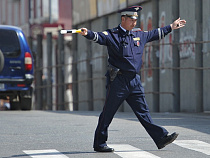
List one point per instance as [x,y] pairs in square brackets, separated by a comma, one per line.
[125,50]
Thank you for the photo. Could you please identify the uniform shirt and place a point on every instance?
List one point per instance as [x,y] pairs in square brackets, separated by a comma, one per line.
[125,49]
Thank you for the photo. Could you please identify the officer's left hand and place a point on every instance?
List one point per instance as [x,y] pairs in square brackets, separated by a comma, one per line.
[178,24]
[84,31]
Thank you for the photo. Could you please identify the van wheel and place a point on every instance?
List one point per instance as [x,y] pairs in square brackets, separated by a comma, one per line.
[1,61]
[26,103]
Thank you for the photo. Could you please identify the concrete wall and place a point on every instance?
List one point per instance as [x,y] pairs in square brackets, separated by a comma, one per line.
[187,56]
[165,58]
[206,51]
[146,76]
[108,18]
[82,73]
[98,67]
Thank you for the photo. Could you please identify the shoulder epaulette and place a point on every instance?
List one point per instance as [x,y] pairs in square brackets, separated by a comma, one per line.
[136,29]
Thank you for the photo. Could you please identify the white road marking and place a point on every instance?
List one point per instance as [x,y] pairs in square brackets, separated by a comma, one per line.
[128,151]
[49,153]
[196,145]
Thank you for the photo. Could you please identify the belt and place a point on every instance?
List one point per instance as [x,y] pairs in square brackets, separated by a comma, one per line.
[127,73]
[120,72]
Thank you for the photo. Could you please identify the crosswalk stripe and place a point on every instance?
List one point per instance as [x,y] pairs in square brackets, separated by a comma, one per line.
[50,153]
[128,151]
[196,145]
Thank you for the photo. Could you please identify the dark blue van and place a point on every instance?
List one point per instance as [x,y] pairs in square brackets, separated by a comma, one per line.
[16,68]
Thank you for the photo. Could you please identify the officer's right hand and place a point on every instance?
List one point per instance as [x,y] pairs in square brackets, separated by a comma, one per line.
[84,31]
[178,23]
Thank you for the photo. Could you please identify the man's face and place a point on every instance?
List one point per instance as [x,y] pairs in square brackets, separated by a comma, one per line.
[128,23]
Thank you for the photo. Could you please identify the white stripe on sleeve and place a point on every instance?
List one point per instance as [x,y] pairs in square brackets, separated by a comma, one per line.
[159,32]
[96,37]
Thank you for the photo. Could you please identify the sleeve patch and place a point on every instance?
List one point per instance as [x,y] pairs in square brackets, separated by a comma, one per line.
[106,33]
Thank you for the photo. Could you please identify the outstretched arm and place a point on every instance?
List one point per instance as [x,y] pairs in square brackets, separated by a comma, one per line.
[178,24]
[162,32]
[101,38]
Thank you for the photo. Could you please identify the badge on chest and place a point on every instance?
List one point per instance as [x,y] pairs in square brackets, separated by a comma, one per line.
[136,41]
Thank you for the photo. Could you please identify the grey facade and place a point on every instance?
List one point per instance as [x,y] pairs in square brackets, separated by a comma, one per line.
[176,70]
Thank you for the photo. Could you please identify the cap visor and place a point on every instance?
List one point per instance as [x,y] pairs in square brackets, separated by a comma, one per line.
[133,17]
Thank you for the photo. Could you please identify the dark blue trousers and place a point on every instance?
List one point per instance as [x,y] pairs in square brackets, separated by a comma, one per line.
[130,89]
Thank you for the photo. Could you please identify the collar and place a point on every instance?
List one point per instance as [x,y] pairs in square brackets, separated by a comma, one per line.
[124,30]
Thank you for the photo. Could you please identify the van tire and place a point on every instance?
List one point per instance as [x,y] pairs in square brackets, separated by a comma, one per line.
[26,103]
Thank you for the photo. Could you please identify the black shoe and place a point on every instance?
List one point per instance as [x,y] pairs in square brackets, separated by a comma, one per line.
[167,140]
[104,149]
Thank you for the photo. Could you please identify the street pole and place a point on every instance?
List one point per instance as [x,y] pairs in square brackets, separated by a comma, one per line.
[49,70]
[199,55]
[50,11]
[75,73]
[176,59]
[89,75]
[39,73]
[60,69]
[156,72]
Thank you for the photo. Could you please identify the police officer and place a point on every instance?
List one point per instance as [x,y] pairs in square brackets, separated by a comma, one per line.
[125,46]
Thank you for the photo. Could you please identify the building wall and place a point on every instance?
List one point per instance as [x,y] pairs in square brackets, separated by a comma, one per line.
[146,25]
[187,55]
[97,63]
[165,58]
[82,72]
[34,18]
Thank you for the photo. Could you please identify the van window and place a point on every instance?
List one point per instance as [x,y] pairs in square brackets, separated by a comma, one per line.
[9,43]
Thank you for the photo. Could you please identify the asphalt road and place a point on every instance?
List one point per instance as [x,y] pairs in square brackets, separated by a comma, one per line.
[43,134]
